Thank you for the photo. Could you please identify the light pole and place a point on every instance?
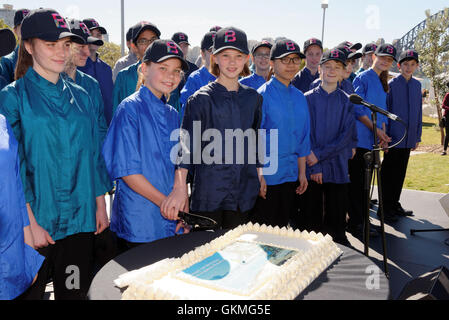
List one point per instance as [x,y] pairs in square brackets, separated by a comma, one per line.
[122,3]
[324,5]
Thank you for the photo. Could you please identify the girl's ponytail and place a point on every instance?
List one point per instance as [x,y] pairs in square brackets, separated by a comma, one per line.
[24,61]
[384,75]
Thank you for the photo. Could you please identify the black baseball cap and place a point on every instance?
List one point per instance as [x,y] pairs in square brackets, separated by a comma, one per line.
[334,54]
[369,48]
[215,28]
[353,46]
[80,29]
[208,40]
[140,27]
[180,37]
[231,38]
[161,50]
[408,55]
[8,42]
[19,15]
[283,48]
[348,52]
[261,44]
[93,24]
[48,25]
[312,42]
[386,50]
[129,34]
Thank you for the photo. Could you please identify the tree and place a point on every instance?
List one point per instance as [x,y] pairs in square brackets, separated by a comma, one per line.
[110,53]
[432,44]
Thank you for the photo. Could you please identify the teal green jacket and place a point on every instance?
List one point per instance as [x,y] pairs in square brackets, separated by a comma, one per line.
[61,166]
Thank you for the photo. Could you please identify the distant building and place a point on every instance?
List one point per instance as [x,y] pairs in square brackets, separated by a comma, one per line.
[7,14]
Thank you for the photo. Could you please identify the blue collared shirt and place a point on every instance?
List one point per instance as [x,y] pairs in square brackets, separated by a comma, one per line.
[254,81]
[303,79]
[138,142]
[285,109]
[19,263]
[405,100]
[368,86]
[332,134]
[102,72]
[345,85]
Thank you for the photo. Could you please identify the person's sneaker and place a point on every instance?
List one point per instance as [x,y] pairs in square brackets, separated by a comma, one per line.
[403,212]
[443,153]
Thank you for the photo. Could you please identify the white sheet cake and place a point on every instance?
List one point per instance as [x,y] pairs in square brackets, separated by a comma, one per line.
[251,262]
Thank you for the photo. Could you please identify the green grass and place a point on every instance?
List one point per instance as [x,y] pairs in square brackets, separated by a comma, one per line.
[428,172]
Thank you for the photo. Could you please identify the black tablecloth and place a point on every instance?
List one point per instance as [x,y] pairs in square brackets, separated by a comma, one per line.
[351,277]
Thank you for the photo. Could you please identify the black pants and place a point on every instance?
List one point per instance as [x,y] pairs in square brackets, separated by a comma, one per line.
[69,262]
[393,172]
[279,206]
[357,197]
[446,138]
[324,208]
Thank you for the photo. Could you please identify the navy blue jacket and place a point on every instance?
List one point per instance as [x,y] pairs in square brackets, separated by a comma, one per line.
[303,80]
[102,72]
[405,100]
[332,129]
[221,185]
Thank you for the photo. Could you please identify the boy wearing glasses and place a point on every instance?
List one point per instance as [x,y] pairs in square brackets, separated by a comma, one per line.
[313,50]
[323,206]
[261,57]
[143,35]
[285,112]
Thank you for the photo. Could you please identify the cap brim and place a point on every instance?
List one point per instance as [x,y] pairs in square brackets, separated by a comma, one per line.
[102,30]
[333,59]
[264,45]
[301,55]
[356,46]
[355,55]
[230,47]
[386,55]
[53,37]
[408,58]
[95,41]
[184,65]
[8,42]
[148,27]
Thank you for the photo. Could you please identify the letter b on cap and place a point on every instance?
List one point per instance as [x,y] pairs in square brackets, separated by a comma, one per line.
[290,46]
[230,36]
[171,46]
[59,21]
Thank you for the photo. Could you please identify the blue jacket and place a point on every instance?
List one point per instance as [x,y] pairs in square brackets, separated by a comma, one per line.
[405,100]
[19,263]
[102,72]
[332,133]
[139,142]
[368,86]
[8,66]
[254,81]
[228,183]
[196,80]
[303,80]
[345,85]
[285,110]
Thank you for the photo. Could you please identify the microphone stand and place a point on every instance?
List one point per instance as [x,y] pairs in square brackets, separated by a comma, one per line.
[373,164]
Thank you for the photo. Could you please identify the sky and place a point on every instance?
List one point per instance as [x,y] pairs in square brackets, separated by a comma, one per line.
[299,20]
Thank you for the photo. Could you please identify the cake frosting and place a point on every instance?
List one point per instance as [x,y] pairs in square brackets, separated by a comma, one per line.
[251,262]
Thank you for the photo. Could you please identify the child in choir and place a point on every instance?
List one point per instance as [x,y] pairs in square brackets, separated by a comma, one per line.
[261,57]
[285,111]
[324,204]
[138,146]
[226,173]
[404,100]
[313,50]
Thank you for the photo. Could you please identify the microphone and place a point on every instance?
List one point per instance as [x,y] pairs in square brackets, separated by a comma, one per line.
[356,99]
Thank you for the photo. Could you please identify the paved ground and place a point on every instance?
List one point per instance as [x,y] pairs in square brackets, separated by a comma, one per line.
[408,256]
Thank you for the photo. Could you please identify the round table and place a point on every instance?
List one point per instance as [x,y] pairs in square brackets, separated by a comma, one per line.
[353,276]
